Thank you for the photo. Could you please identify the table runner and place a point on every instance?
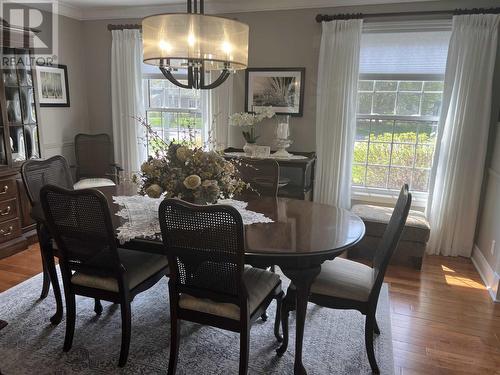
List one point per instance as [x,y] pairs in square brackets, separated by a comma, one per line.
[141,216]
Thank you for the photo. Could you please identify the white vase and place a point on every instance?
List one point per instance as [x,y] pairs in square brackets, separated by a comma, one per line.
[249,149]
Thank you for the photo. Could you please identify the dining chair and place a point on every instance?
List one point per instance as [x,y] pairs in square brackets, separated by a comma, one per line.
[345,284]
[35,174]
[209,282]
[91,264]
[262,175]
[95,165]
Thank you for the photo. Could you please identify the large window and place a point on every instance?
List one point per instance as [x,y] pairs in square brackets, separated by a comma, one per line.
[396,133]
[173,112]
[400,91]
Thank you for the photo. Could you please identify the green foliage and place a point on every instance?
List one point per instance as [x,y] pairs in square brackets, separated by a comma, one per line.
[404,152]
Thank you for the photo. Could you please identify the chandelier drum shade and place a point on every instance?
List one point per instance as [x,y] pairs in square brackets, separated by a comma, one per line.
[196,43]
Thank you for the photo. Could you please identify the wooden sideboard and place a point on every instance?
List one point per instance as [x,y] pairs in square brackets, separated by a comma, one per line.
[299,171]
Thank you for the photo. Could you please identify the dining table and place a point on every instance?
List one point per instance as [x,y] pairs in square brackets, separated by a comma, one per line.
[301,236]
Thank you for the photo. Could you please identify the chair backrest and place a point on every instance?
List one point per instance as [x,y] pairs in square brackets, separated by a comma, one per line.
[38,173]
[205,250]
[94,156]
[390,240]
[80,222]
[262,175]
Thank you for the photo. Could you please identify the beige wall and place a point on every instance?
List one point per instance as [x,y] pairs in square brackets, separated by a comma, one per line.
[59,125]
[488,228]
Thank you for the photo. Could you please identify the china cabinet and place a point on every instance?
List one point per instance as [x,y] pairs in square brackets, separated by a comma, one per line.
[19,141]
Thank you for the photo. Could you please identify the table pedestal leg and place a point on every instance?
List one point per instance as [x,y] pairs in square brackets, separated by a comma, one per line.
[302,279]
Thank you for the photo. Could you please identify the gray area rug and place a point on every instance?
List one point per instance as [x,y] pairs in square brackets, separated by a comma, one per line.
[333,343]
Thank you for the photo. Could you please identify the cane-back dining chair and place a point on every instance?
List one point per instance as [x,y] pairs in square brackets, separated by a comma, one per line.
[37,173]
[91,264]
[345,284]
[209,282]
[262,175]
[95,165]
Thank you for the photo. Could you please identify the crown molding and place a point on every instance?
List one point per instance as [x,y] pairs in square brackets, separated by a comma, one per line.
[211,7]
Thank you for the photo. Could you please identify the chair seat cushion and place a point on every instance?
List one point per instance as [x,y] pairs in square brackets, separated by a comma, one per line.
[139,266]
[259,284]
[343,278]
[376,218]
[88,183]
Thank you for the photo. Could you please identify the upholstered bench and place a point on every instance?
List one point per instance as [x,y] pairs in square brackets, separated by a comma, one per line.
[413,241]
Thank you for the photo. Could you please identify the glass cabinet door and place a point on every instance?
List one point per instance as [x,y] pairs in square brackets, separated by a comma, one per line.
[20,133]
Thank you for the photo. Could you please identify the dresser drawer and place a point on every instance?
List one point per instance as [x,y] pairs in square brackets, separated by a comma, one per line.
[9,230]
[7,189]
[8,210]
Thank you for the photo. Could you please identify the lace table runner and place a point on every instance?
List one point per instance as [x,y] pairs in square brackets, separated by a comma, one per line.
[141,216]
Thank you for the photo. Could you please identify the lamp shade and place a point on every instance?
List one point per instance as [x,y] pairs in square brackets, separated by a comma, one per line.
[174,39]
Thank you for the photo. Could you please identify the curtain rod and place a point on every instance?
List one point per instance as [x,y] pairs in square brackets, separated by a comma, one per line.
[124,27]
[325,17]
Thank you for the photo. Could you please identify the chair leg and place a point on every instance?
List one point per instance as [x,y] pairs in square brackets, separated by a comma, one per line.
[285,311]
[277,319]
[244,349]
[174,345]
[369,328]
[264,316]
[70,320]
[375,327]
[46,278]
[97,307]
[126,330]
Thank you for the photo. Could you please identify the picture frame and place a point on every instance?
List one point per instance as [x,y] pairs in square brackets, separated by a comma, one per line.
[53,89]
[281,88]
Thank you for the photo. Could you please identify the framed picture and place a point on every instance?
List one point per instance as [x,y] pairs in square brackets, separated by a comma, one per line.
[53,88]
[281,88]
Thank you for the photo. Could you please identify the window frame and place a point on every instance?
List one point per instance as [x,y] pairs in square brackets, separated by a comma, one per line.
[389,196]
[176,110]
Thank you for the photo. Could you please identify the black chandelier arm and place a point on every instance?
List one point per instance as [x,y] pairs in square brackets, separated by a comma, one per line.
[219,81]
[168,75]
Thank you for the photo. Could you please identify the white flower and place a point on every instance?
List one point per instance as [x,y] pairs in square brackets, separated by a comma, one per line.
[249,119]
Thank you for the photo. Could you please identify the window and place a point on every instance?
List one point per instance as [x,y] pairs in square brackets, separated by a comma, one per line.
[400,91]
[173,112]
[396,133]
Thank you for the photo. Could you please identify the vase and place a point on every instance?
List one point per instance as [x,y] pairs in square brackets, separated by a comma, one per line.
[249,149]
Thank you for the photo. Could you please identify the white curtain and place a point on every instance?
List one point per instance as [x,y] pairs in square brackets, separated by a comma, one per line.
[127,99]
[336,110]
[220,109]
[463,129]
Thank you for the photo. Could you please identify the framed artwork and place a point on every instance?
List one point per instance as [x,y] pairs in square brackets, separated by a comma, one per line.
[281,88]
[53,88]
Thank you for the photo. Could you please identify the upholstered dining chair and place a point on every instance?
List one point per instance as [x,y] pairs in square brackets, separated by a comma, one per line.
[91,264]
[209,282]
[95,165]
[262,175]
[37,173]
[345,284]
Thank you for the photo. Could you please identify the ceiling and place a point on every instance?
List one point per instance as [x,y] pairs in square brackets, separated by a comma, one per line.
[114,9]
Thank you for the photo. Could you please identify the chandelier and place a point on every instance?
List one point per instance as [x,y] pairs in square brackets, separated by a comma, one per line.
[203,46]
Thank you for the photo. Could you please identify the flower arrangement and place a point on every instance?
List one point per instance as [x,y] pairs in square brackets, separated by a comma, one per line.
[247,121]
[185,171]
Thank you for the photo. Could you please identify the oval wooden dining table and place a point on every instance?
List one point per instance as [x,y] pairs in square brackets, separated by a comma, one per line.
[301,237]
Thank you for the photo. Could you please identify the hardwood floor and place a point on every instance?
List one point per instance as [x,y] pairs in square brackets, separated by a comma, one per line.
[443,320]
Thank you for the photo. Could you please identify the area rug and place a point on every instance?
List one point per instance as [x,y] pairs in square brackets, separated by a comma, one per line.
[29,344]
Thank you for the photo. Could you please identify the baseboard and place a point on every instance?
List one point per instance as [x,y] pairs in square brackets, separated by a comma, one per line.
[491,279]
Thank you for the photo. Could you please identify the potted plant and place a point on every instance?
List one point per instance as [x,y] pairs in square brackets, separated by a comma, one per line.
[248,122]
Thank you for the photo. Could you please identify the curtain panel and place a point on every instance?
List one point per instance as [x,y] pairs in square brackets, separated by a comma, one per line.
[463,133]
[336,110]
[127,99]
